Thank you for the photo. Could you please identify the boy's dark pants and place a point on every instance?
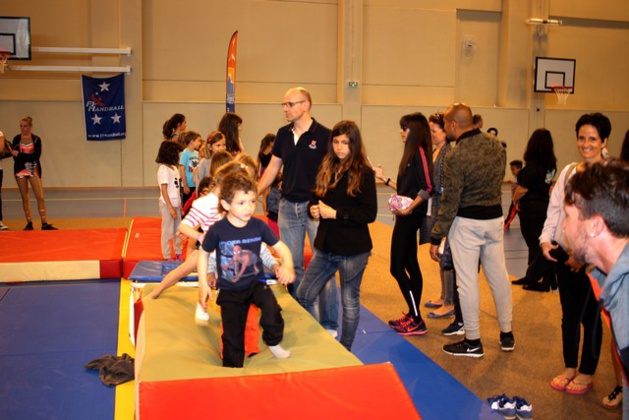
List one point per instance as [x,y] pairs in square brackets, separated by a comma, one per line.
[234,307]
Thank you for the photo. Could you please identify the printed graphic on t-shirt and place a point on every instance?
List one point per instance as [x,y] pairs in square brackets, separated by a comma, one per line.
[192,163]
[238,263]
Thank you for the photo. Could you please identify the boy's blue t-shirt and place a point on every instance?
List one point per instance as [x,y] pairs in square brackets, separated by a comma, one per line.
[238,261]
[189,160]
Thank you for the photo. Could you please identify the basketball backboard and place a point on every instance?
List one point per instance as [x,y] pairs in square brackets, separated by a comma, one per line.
[15,37]
[551,72]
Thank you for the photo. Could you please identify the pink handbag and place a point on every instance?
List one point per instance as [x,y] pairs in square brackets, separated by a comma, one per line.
[399,202]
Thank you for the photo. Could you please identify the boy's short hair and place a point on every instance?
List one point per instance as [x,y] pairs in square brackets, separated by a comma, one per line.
[516,163]
[236,181]
[190,136]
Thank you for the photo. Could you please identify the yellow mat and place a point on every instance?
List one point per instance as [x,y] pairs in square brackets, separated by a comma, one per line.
[172,346]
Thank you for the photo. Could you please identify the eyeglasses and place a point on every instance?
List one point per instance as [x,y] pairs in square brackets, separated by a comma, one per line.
[291,104]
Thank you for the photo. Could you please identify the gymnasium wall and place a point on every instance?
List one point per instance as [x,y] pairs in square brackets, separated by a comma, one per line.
[407,56]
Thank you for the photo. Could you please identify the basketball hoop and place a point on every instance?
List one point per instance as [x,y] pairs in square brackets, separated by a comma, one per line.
[4,58]
[562,93]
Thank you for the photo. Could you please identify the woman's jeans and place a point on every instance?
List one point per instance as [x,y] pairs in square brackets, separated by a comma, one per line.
[351,268]
[294,223]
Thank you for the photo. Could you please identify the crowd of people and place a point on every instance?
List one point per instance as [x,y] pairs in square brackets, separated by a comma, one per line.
[447,192]
[317,183]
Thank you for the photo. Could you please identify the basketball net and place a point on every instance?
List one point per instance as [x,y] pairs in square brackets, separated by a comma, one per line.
[562,93]
[4,58]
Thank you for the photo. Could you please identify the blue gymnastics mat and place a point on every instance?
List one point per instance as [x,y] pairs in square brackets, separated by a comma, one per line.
[48,332]
[435,393]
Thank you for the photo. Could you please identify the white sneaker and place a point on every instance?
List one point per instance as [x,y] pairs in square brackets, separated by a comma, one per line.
[333,333]
[200,314]
[3,226]
[279,352]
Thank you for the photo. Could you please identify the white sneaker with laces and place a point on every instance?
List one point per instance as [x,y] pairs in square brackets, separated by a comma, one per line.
[279,352]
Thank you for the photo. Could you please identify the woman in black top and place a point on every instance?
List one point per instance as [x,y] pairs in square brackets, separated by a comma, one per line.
[532,195]
[414,180]
[344,202]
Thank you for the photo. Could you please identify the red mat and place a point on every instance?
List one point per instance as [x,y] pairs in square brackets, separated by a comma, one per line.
[144,243]
[61,254]
[354,392]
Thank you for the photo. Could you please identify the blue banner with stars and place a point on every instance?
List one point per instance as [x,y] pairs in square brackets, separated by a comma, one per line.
[103,101]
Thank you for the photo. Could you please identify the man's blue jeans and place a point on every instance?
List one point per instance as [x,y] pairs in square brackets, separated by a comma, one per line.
[351,268]
[294,222]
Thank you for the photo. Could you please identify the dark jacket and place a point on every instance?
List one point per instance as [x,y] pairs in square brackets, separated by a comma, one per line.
[474,172]
[348,234]
[21,159]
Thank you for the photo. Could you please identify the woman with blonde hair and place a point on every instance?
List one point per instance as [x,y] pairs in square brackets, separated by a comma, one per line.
[27,148]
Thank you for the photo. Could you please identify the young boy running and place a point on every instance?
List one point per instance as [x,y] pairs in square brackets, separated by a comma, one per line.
[237,239]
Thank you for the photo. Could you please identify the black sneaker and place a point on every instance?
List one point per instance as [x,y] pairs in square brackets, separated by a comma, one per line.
[521,282]
[29,226]
[464,348]
[455,328]
[48,226]
[507,342]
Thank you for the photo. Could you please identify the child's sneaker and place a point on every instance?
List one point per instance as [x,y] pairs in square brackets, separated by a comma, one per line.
[411,327]
[523,409]
[279,352]
[503,405]
[3,226]
[29,226]
[200,314]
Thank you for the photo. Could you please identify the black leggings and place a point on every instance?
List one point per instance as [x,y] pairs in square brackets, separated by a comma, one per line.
[532,220]
[579,307]
[404,264]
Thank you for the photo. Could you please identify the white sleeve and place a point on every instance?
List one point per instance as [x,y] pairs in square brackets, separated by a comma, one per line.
[267,258]
[555,213]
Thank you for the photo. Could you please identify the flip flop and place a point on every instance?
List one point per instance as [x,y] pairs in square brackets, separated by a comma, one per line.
[614,399]
[560,382]
[578,388]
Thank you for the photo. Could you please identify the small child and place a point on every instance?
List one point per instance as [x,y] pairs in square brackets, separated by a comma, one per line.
[264,158]
[515,166]
[215,143]
[188,161]
[237,239]
[169,184]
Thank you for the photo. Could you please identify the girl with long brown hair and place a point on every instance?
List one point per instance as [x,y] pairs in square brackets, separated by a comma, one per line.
[344,202]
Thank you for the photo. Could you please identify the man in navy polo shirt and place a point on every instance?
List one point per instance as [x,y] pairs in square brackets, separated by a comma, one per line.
[300,147]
